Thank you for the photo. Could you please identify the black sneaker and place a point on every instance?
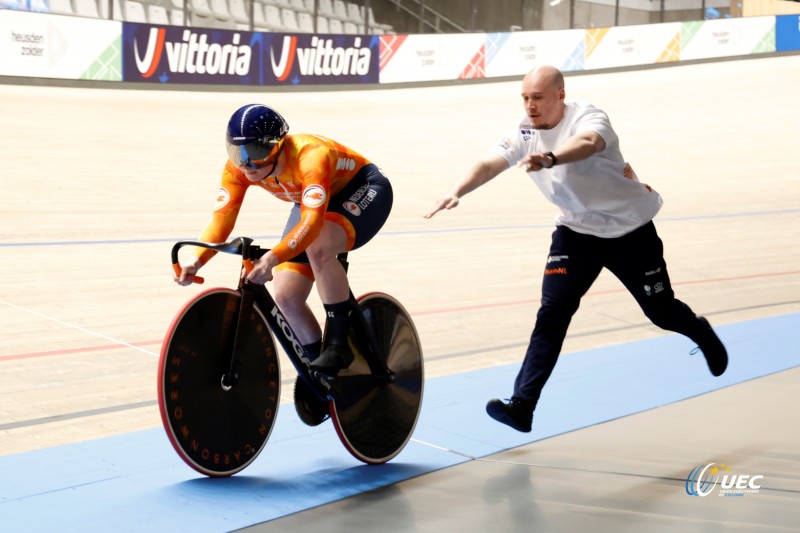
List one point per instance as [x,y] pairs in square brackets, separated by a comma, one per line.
[516,413]
[311,410]
[333,358]
[713,350]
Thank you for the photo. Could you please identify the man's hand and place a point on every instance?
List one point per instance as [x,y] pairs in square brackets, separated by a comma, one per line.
[535,162]
[447,202]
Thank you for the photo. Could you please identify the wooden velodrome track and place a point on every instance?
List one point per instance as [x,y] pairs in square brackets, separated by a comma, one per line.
[98,183]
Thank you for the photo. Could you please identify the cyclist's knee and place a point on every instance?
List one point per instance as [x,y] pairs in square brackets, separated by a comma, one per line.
[290,291]
[319,253]
[290,303]
[326,247]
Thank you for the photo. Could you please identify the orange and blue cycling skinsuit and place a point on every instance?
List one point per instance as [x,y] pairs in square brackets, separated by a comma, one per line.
[326,181]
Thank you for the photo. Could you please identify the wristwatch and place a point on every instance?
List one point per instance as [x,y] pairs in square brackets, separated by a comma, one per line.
[552,158]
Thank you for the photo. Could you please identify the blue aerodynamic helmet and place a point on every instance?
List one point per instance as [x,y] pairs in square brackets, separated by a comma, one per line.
[253,132]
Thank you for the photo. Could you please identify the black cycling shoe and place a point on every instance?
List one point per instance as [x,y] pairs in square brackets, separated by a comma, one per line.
[311,410]
[713,350]
[516,413]
[333,358]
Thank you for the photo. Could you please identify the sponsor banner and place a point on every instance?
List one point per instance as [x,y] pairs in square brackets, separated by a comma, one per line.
[51,46]
[172,54]
[727,37]
[411,58]
[159,54]
[321,59]
[632,45]
[787,32]
[516,53]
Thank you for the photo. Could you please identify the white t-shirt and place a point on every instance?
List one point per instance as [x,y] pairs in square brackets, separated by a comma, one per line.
[594,196]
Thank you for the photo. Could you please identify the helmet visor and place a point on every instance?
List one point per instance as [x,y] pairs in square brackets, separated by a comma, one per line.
[254,155]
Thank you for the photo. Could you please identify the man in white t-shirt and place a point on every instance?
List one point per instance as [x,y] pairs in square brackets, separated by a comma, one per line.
[572,154]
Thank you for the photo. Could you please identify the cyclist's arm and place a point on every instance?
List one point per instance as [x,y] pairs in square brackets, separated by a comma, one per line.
[481,173]
[314,174]
[226,210]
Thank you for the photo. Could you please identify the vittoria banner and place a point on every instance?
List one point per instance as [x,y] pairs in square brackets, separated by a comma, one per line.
[159,54]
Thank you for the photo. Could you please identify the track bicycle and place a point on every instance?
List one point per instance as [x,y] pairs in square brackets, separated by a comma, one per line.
[219,374]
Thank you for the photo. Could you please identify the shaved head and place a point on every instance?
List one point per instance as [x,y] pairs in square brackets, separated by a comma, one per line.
[543,96]
[545,75]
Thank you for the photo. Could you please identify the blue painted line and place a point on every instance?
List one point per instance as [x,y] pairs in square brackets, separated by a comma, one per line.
[136,482]
[400,233]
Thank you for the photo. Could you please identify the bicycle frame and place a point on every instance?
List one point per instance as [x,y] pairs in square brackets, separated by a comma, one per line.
[323,386]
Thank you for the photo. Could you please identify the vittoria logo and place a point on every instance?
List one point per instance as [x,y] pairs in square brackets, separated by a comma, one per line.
[322,58]
[170,54]
[192,54]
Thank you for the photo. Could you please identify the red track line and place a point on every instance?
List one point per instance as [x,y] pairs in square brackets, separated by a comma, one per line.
[418,313]
[66,351]
[596,293]
[734,278]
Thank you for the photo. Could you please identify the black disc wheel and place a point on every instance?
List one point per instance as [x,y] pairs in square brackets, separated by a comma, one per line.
[375,415]
[218,421]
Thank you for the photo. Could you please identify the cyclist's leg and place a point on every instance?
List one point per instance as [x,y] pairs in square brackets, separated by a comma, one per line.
[291,290]
[328,271]
[361,208]
[292,282]
[354,216]
[334,291]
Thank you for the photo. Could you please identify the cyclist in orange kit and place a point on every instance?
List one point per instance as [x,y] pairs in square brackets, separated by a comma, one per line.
[340,200]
